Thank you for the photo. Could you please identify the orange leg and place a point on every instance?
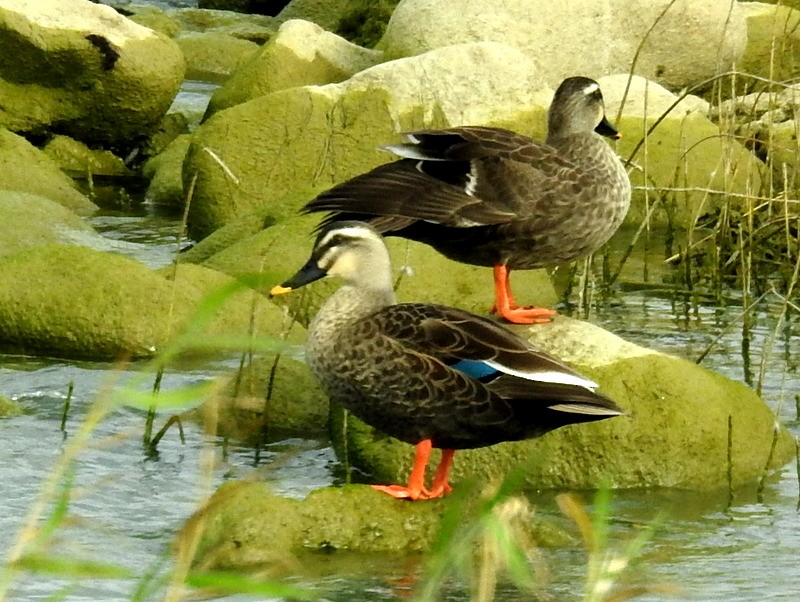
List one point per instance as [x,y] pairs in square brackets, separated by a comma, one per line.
[415,490]
[441,485]
[505,306]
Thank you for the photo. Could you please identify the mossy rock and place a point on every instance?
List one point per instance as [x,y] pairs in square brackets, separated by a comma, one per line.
[246,526]
[675,432]
[9,408]
[25,168]
[773,45]
[316,136]
[214,56]
[300,54]
[165,174]
[78,160]
[28,220]
[422,273]
[74,302]
[270,396]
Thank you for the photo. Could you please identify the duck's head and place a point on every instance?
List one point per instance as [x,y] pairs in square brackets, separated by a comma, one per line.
[350,250]
[578,108]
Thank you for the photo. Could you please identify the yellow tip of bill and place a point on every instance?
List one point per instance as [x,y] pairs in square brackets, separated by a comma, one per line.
[279,290]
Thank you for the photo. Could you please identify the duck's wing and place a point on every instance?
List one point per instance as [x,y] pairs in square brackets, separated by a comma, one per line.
[486,352]
[459,177]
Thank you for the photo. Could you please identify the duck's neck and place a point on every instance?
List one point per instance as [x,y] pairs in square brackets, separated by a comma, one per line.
[347,305]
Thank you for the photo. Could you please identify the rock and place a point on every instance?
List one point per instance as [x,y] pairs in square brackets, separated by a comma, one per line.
[78,160]
[153,18]
[255,28]
[27,220]
[84,70]
[268,395]
[213,56]
[328,15]
[9,408]
[687,162]
[246,526]
[317,136]
[773,44]
[691,42]
[25,168]
[422,274]
[675,433]
[164,172]
[262,7]
[73,302]
[300,54]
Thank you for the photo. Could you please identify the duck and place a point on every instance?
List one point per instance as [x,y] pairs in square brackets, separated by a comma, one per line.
[490,197]
[430,375]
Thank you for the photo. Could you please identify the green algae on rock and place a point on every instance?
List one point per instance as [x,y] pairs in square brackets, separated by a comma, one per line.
[675,433]
[25,168]
[74,302]
[246,526]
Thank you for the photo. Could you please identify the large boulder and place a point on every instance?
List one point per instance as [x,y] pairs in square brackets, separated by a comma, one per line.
[300,54]
[252,155]
[685,426]
[686,166]
[84,70]
[676,43]
[25,168]
[75,302]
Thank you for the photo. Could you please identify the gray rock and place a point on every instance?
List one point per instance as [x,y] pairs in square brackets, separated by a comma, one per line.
[691,42]
[84,70]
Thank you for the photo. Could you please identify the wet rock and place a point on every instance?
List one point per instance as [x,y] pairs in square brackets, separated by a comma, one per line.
[687,165]
[213,56]
[300,54]
[316,136]
[28,220]
[84,70]
[74,302]
[676,432]
[690,42]
[25,168]
[245,525]
[153,18]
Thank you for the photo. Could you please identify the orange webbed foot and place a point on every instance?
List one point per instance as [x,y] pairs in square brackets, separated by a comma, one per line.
[525,315]
[402,492]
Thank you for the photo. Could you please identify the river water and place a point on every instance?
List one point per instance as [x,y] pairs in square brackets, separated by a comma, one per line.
[126,504]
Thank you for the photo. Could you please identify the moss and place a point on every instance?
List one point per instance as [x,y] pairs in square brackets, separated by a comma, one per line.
[165,174]
[213,56]
[74,302]
[27,220]
[25,168]
[77,159]
[365,24]
[773,45]
[245,526]
[9,408]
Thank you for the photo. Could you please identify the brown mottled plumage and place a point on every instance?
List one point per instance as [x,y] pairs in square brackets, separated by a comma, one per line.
[490,197]
[430,375]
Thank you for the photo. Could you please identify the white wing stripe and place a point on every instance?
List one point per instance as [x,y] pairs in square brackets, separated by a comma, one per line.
[550,376]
